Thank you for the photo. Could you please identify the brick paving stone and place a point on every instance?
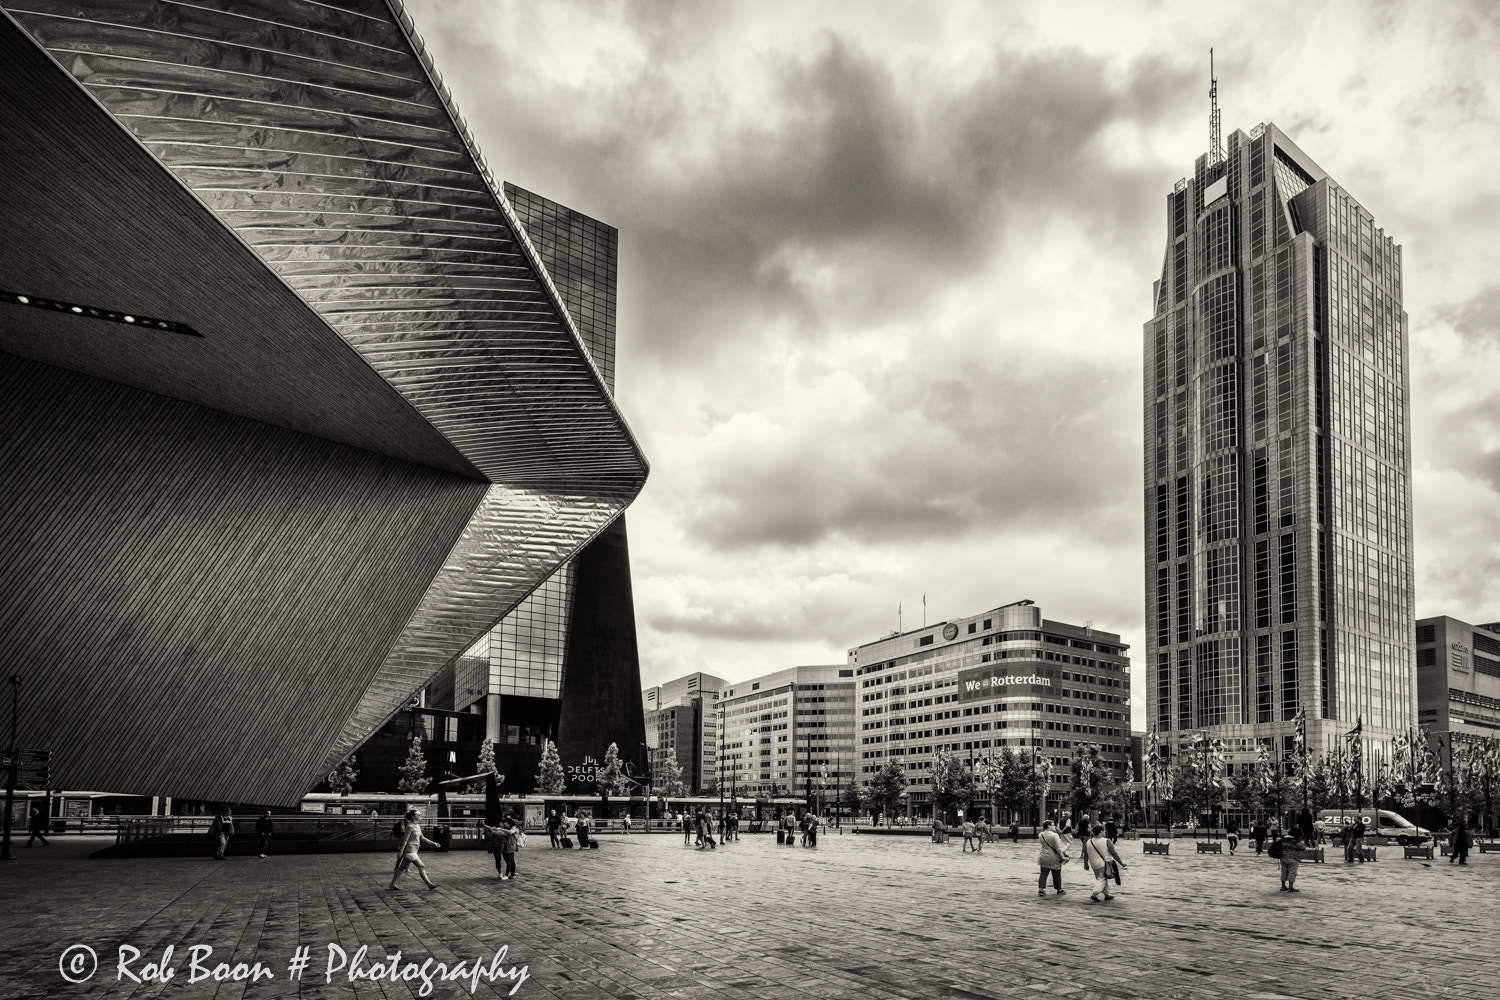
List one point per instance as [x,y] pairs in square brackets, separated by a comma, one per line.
[857,918]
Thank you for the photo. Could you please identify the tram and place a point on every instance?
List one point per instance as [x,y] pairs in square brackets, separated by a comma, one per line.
[463,809]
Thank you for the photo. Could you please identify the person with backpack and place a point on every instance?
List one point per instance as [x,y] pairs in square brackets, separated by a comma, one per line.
[407,854]
[1052,856]
[1287,850]
[1101,855]
[789,826]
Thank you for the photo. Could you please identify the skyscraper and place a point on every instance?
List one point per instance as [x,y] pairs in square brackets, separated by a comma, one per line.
[1278,463]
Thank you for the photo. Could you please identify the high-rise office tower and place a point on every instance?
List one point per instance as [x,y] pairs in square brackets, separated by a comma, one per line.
[1278,464]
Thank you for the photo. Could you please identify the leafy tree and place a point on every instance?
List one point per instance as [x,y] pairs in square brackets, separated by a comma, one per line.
[670,773]
[612,779]
[550,779]
[854,799]
[1036,773]
[414,778]
[486,766]
[987,775]
[952,783]
[1089,780]
[1010,792]
[341,779]
[886,789]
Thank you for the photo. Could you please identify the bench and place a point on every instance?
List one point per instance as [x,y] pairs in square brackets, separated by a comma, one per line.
[1418,852]
[1152,847]
[1314,854]
[1489,847]
[1210,847]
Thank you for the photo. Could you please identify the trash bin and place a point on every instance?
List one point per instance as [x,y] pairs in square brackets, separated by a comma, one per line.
[443,835]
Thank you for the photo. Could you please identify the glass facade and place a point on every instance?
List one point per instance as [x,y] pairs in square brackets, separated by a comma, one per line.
[1278,471]
[788,731]
[1003,678]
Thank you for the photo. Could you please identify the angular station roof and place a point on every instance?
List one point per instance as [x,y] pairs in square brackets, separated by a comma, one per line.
[290,181]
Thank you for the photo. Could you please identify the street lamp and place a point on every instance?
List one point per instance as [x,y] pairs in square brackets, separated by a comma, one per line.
[14,771]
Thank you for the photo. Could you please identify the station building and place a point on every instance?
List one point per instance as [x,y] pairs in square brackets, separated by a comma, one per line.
[1005,677]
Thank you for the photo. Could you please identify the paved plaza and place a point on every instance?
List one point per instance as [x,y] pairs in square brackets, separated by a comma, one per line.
[859,916]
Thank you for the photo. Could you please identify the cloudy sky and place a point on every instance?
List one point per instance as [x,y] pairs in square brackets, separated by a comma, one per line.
[883,271]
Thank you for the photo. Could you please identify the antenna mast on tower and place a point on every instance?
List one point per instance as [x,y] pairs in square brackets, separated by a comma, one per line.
[1215,156]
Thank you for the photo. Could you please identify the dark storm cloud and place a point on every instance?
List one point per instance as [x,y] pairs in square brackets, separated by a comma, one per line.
[905,182]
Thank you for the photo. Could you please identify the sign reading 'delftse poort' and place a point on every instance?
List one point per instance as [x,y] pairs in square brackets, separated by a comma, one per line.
[999,682]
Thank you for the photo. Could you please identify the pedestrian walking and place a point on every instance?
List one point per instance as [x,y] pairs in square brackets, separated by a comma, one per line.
[1354,835]
[1459,845]
[812,829]
[968,829]
[1258,834]
[789,826]
[734,824]
[1232,834]
[705,832]
[37,827]
[1052,856]
[1306,828]
[1066,829]
[263,830]
[554,830]
[222,829]
[1099,851]
[981,834]
[407,854]
[1287,850]
[582,828]
[688,827]
[1015,833]
[626,824]
[1112,829]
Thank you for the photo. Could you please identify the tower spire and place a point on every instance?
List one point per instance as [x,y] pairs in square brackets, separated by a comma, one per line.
[1215,156]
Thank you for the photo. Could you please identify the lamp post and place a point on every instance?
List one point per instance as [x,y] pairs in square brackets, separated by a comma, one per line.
[14,771]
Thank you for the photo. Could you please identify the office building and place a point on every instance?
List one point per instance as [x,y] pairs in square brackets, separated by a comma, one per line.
[292,411]
[1458,682]
[1002,678]
[1278,463]
[790,732]
[683,714]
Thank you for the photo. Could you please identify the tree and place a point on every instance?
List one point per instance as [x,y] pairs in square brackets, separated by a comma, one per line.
[1088,778]
[854,799]
[952,783]
[988,773]
[550,779]
[1010,793]
[1036,772]
[486,766]
[670,773]
[341,780]
[612,779]
[886,789]
[414,778]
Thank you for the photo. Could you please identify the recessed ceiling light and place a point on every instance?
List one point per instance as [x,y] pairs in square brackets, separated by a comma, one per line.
[94,312]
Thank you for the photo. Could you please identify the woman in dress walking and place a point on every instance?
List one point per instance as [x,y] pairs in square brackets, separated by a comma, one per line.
[407,855]
[1051,858]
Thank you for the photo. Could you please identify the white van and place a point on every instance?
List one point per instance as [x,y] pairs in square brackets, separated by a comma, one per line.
[1377,823]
